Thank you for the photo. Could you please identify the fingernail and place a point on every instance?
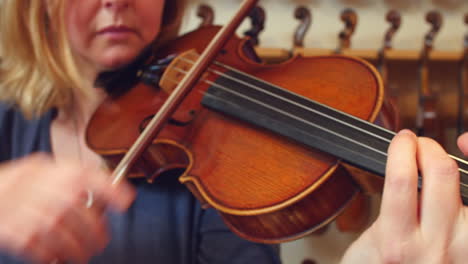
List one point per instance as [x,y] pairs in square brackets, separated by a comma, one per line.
[406,132]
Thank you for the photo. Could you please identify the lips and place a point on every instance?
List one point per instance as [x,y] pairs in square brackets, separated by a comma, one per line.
[116,30]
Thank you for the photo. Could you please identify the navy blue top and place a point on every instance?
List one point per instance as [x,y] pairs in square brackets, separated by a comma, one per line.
[165,225]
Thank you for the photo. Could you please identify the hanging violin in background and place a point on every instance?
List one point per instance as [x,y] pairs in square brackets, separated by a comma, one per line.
[350,19]
[389,114]
[428,122]
[463,90]
[304,16]
[257,20]
[206,13]
[257,16]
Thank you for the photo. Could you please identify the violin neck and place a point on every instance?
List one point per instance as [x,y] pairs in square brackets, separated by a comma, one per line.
[356,141]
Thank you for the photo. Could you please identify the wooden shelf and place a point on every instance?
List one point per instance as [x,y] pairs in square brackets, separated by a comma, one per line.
[405,55]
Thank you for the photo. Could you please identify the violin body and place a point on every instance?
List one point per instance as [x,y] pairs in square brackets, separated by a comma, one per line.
[267,187]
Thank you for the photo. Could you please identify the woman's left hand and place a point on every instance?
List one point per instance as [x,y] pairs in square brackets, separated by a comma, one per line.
[417,227]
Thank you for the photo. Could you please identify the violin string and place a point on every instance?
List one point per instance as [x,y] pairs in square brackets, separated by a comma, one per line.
[222,87]
[302,106]
[298,95]
[309,109]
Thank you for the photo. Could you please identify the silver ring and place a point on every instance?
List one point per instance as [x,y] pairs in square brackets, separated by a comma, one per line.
[90,199]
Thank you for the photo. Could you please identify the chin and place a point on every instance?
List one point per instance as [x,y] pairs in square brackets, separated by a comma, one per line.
[115,63]
[116,60]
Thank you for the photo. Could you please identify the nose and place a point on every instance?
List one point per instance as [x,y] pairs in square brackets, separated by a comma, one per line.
[116,4]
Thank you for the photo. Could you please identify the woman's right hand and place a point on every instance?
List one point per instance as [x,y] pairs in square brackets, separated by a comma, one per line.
[43,209]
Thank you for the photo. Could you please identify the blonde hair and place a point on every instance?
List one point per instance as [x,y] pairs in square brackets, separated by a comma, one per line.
[37,69]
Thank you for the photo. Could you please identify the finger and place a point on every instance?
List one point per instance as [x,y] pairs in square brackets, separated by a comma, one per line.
[458,244]
[39,254]
[23,243]
[398,214]
[87,226]
[55,239]
[99,182]
[462,143]
[90,227]
[62,246]
[440,198]
[64,242]
[119,196]
[68,230]
[25,167]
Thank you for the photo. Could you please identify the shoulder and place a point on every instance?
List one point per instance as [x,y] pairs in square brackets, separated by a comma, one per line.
[20,136]
[7,113]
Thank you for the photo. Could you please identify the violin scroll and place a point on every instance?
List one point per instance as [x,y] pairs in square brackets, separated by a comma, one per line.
[466,36]
[257,17]
[394,18]
[350,18]
[435,19]
[304,15]
[206,13]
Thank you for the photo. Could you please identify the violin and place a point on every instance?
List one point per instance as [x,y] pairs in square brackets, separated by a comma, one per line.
[206,13]
[257,19]
[350,19]
[262,144]
[304,16]
[389,112]
[463,88]
[428,122]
